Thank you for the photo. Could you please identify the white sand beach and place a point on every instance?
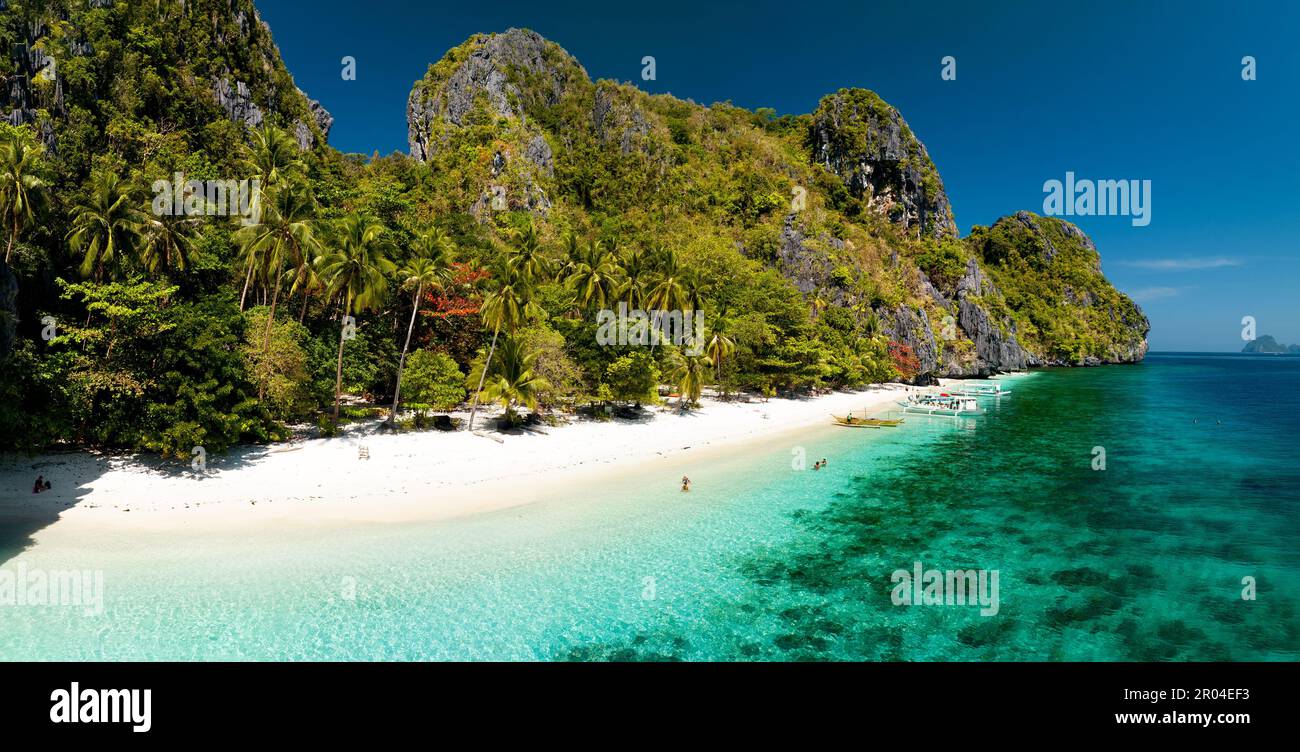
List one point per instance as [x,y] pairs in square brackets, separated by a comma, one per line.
[409,476]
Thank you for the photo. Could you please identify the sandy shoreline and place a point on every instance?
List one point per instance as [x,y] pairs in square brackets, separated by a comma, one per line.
[414,476]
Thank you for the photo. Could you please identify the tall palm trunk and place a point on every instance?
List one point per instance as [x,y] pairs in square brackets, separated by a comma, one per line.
[486,365]
[338,370]
[266,340]
[401,362]
[248,277]
[13,236]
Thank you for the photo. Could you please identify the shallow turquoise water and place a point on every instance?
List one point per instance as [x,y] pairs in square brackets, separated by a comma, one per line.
[1143,560]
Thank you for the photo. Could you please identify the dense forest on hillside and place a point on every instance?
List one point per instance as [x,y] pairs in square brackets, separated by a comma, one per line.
[819,250]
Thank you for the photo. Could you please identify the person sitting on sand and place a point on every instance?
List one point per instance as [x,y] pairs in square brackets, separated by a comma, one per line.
[686,484]
[39,485]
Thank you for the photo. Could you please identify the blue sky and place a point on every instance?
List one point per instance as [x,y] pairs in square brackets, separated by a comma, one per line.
[1122,90]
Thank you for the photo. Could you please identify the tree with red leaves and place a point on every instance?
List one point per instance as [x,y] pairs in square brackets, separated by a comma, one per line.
[904,360]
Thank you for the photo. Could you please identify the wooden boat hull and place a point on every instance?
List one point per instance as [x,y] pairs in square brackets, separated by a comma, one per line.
[865,422]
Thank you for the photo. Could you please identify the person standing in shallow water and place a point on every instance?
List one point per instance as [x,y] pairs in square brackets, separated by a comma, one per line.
[686,484]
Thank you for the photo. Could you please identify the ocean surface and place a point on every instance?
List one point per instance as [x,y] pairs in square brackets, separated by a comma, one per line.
[1146,559]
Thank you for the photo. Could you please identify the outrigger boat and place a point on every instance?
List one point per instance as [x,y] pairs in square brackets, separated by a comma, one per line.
[945,404]
[980,388]
[979,391]
[851,422]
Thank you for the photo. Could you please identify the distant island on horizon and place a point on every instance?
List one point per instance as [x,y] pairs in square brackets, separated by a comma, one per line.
[1265,344]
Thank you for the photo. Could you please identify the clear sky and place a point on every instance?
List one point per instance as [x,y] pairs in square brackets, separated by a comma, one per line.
[1108,90]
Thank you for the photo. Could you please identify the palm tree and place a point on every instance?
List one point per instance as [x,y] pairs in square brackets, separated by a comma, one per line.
[594,276]
[354,268]
[430,267]
[273,157]
[167,242]
[529,256]
[636,276]
[513,380]
[309,281]
[507,308]
[718,346]
[668,292]
[688,371]
[871,326]
[286,230]
[105,226]
[22,191]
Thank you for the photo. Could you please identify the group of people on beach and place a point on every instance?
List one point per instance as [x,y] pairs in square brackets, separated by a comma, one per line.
[41,484]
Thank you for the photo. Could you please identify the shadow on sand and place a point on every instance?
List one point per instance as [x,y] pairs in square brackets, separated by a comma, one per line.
[74,474]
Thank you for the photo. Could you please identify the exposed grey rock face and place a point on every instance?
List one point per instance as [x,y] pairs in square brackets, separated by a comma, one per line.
[810,266]
[487,70]
[911,327]
[994,350]
[996,346]
[498,198]
[438,106]
[237,102]
[807,267]
[23,100]
[539,153]
[1067,277]
[8,308]
[303,135]
[302,132]
[617,122]
[867,143]
[324,120]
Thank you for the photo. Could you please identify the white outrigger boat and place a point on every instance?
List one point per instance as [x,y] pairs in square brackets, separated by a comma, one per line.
[979,388]
[944,404]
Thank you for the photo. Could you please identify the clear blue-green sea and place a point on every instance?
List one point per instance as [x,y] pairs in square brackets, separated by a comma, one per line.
[1147,559]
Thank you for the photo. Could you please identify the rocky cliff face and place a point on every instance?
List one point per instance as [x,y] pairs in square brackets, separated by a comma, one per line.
[34,82]
[534,118]
[996,346]
[307,120]
[965,339]
[864,141]
[488,79]
[1049,272]
[221,42]
[490,68]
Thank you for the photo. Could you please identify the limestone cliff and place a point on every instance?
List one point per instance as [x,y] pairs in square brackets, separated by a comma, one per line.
[877,207]
[219,52]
